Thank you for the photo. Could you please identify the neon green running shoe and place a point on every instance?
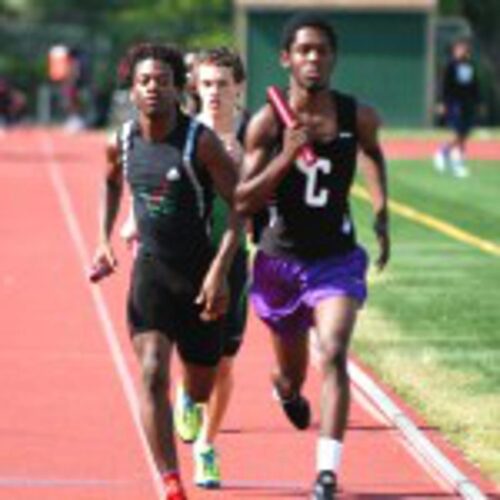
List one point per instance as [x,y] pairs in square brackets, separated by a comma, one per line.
[187,416]
[206,466]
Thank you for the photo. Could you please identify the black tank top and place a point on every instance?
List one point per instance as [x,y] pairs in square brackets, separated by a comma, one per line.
[310,216]
[172,193]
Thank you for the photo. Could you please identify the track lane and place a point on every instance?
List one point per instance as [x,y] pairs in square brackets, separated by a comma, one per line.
[65,431]
[262,456]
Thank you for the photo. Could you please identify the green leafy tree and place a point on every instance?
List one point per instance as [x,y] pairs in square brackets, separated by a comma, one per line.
[104,28]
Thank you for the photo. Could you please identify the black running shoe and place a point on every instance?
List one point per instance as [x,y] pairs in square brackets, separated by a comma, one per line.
[325,486]
[296,409]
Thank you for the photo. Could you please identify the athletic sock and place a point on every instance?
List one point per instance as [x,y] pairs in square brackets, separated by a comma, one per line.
[202,444]
[457,158]
[170,474]
[328,454]
[441,158]
[458,166]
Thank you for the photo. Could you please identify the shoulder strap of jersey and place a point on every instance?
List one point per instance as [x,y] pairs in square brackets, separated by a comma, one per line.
[189,162]
[125,143]
[241,125]
[346,113]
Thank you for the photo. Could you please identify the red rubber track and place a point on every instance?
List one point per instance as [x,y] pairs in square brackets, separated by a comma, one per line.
[421,148]
[66,425]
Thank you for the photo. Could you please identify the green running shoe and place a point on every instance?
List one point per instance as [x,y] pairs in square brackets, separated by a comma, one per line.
[206,465]
[187,416]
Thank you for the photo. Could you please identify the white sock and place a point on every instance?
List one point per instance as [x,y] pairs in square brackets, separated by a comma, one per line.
[441,159]
[328,454]
[457,158]
[202,444]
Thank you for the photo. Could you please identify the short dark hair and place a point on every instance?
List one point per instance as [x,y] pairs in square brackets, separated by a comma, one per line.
[225,58]
[462,40]
[307,20]
[168,54]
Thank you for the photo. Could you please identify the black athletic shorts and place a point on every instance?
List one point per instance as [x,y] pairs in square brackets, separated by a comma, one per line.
[162,298]
[233,324]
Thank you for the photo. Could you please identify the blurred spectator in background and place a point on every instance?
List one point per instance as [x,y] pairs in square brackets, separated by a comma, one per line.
[69,68]
[73,90]
[459,98]
[12,103]
[191,100]
[102,104]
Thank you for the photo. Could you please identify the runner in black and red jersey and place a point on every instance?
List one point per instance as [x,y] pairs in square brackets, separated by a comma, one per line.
[178,294]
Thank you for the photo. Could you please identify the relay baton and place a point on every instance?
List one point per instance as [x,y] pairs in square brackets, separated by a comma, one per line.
[287,117]
[99,271]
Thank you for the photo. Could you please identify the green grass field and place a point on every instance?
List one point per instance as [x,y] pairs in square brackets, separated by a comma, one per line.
[431,328]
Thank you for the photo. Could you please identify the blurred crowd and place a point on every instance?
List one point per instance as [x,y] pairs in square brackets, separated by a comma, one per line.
[12,103]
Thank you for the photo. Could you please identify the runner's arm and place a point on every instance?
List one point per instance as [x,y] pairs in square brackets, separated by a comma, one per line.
[112,187]
[261,174]
[374,170]
[214,293]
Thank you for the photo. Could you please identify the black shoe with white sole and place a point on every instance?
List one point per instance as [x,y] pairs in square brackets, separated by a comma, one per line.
[325,487]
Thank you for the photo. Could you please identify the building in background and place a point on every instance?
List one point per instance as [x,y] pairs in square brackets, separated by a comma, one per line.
[387,51]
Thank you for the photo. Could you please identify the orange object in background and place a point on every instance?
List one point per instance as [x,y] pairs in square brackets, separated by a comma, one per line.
[59,63]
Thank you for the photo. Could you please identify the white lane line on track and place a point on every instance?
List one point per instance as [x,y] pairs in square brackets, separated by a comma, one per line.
[369,406]
[108,329]
[31,482]
[460,483]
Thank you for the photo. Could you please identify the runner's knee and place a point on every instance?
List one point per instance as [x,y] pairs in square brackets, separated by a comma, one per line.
[199,384]
[225,370]
[334,359]
[200,393]
[154,374]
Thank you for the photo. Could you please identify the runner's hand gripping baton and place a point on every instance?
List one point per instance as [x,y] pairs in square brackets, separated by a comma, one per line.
[99,271]
[287,117]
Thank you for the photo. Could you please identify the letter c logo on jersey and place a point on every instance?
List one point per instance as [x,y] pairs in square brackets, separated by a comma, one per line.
[314,195]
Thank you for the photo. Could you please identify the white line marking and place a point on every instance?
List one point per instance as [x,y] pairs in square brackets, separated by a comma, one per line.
[108,329]
[438,225]
[466,488]
[256,484]
[29,482]
[365,402]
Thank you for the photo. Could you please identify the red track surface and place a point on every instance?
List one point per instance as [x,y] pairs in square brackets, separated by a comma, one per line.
[66,425]
[422,148]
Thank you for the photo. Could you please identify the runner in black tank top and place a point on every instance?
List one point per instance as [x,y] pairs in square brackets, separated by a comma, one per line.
[178,291]
[459,98]
[309,271]
[217,78]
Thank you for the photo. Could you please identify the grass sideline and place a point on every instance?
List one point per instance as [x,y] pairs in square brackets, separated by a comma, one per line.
[431,329]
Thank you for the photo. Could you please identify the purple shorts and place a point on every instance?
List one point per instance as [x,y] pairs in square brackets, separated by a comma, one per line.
[285,291]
